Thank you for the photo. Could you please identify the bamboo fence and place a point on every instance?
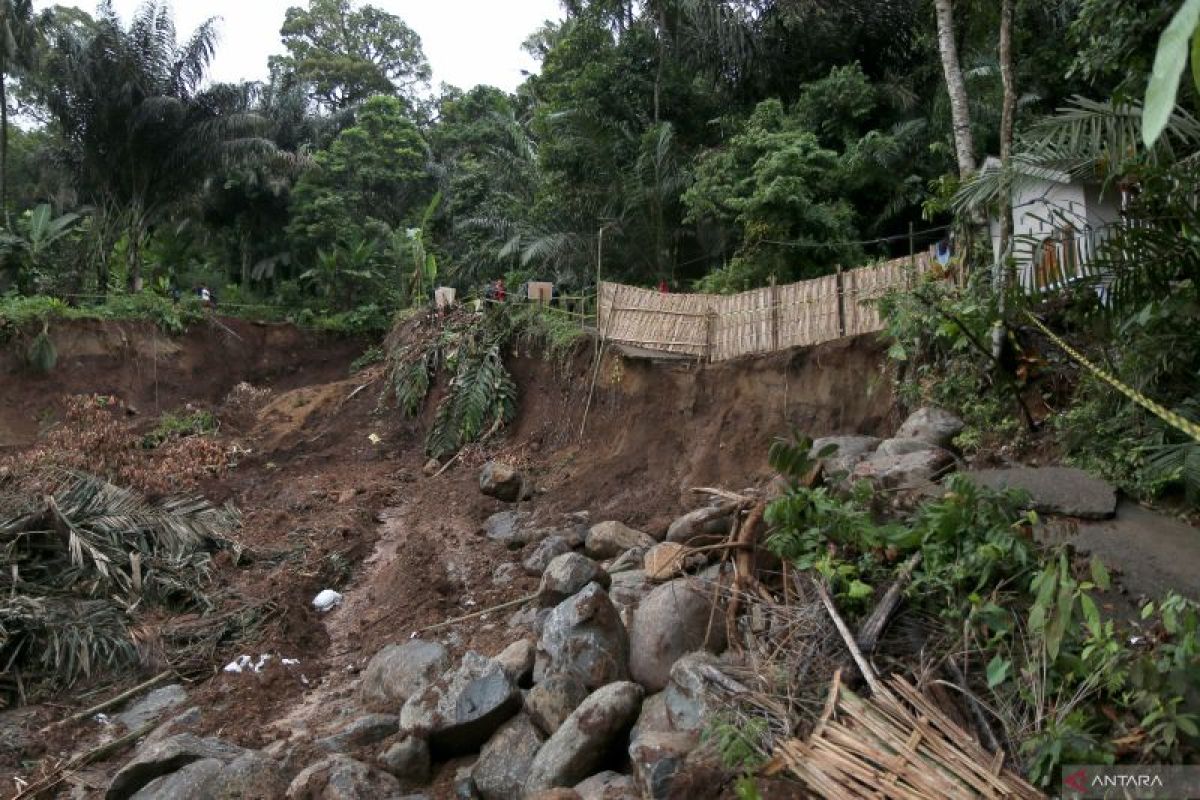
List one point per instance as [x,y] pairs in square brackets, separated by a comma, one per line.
[720,327]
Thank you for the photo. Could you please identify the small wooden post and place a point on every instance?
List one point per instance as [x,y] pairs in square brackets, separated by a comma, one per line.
[841,302]
[774,315]
[710,333]
[912,257]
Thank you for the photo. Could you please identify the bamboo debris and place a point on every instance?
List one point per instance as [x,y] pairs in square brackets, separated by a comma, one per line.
[898,745]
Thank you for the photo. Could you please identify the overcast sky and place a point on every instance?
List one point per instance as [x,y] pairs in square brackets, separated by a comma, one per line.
[467,42]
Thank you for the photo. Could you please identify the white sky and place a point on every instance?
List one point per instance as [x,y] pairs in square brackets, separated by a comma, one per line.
[467,42]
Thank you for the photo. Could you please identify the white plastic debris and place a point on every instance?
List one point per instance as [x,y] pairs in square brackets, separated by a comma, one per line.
[289,662]
[243,663]
[103,719]
[375,438]
[238,664]
[262,662]
[326,600]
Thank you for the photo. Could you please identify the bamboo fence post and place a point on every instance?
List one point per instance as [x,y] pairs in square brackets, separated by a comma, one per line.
[841,303]
[774,315]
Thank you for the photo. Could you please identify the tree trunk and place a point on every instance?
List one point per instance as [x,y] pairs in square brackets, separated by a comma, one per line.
[960,112]
[134,255]
[4,146]
[1007,123]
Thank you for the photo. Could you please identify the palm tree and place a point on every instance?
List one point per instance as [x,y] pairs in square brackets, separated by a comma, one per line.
[17,35]
[141,133]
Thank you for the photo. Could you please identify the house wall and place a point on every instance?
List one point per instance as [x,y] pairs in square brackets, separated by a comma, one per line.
[1039,208]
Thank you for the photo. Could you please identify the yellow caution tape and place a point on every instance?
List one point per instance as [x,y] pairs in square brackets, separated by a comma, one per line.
[1165,414]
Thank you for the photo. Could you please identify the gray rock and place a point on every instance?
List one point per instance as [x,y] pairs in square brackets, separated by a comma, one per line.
[464,708]
[550,702]
[506,527]
[548,549]
[364,730]
[399,671]
[657,757]
[501,481]
[687,700]
[464,783]
[902,447]
[567,574]
[627,590]
[850,451]
[608,785]
[934,425]
[702,526]
[629,560]
[184,719]
[609,539]
[530,618]
[250,775]
[583,740]
[584,637]
[407,760]
[517,660]
[340,777]
[909,471]
[504,762]
[1054,490]
[152,706]
[165,757]
[671,621]
[653,717]
[190,782]
[670,560]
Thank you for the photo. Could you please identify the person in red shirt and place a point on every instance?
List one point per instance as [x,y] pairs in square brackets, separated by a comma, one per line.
[662,286]
[500,292]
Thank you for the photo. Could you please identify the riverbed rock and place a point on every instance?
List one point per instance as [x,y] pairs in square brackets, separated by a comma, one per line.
[610,539]
[407,760]
[688,699]
[932,424]
[368,729]
[501,481]
[399,671]
[546,551]
[670,560]
[917,470]
[504,762]
[152,706]
[567,574]
[343,778]
[517,660]
[461,711]
[703,526]
[584,637]
[189,782]
[512,529]
[608,785]
[167,756]
[653,716]
[631,559]
[1054,490]
[671,621]
[902,447]
[582,742]
[657,757]
[550,702]
[849,451]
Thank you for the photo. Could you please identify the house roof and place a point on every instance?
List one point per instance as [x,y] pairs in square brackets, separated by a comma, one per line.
[992,164]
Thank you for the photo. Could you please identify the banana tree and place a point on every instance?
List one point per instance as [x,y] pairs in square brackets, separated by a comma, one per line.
[425,267]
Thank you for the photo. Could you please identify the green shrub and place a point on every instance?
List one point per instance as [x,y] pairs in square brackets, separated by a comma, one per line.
[173,425]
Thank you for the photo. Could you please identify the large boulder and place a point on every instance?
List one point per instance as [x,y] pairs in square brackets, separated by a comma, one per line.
[550,702]
[608,785]
[504,763]
[191,782]
[167,756]
[849,450]
[934,425]
[399,671]
[902,447]
[917,470]
[703,526]
[1054,490]
[567,574]
[653,717]
[547,550]
[152,706]
[674,619]
[464,708]
[367,729]
[627,590]
[501,481]
[340,777]
[517,660]
[584,637]
[670,560]
[512,529]
[581,743]
[610,539]
[629,560]
[657,757]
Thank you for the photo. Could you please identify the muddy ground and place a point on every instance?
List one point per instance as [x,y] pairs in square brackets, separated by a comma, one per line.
[325,506]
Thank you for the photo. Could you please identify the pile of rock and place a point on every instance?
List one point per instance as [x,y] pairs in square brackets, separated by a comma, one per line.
[598,696]
[920,453]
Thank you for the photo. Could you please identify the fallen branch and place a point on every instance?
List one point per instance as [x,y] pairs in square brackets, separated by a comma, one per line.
[474,614]
[112,701]
[863,665]
[871,629]
[96,754]
[982,727]
[737,498]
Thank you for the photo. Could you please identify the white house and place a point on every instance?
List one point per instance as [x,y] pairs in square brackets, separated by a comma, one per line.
[1058,221]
